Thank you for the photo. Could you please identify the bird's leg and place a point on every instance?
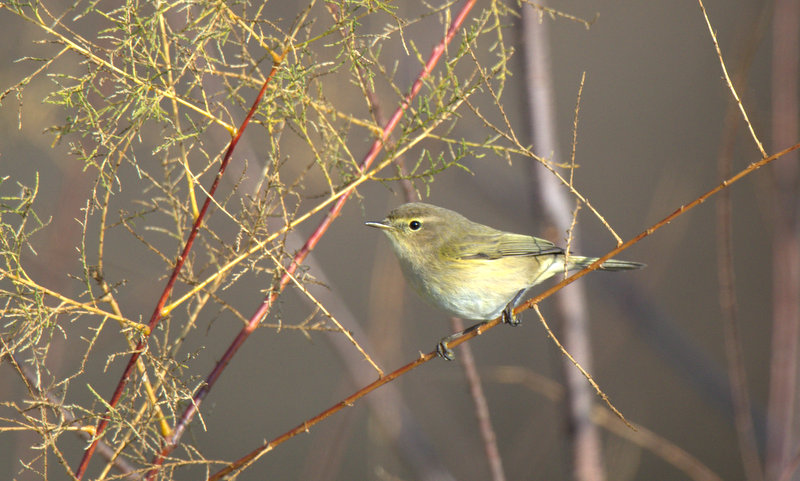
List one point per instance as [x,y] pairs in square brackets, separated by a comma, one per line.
[508,318]
[445,351]
[508,312]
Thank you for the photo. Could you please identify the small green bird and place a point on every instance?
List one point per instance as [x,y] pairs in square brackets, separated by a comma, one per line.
[471,270]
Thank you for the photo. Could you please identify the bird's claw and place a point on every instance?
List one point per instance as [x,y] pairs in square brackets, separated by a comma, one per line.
[508,312]
[509,318]
[443,351]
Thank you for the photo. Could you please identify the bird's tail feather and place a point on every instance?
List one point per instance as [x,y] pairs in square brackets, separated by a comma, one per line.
[578,262]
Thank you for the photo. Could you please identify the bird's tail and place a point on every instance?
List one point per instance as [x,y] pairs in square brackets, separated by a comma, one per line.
[578,262]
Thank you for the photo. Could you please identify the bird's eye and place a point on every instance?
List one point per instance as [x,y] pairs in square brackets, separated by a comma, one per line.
[414,225]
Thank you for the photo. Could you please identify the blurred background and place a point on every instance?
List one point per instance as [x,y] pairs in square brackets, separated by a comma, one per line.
[654,119]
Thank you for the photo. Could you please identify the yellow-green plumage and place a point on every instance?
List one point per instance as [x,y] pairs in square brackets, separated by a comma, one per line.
[468,269]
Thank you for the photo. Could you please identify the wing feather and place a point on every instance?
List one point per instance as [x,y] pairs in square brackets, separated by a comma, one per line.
[497,244]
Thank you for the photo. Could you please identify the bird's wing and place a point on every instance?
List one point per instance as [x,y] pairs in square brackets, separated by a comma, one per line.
[494,245]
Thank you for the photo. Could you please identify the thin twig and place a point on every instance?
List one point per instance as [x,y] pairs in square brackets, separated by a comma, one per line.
[35,390]
[142,328]
[552,12]
[327,313]
[467,361]
[588,376]
[374,105]
[728,81]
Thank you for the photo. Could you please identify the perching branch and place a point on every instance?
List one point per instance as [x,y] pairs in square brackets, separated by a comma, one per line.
[350,400]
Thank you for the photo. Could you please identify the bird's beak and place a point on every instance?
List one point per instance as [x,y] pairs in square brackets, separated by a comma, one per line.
[379,224]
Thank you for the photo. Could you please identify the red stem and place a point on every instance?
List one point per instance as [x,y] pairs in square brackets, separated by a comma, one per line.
[156,317]
[309,245]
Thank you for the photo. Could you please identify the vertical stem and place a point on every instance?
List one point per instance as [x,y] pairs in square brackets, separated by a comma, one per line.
[781,419]
[585,437]
[740,397]
[467,361]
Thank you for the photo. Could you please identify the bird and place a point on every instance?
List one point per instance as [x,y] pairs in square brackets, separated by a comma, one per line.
[471,270]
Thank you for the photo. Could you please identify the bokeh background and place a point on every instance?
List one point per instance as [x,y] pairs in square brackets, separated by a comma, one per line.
[651,128]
